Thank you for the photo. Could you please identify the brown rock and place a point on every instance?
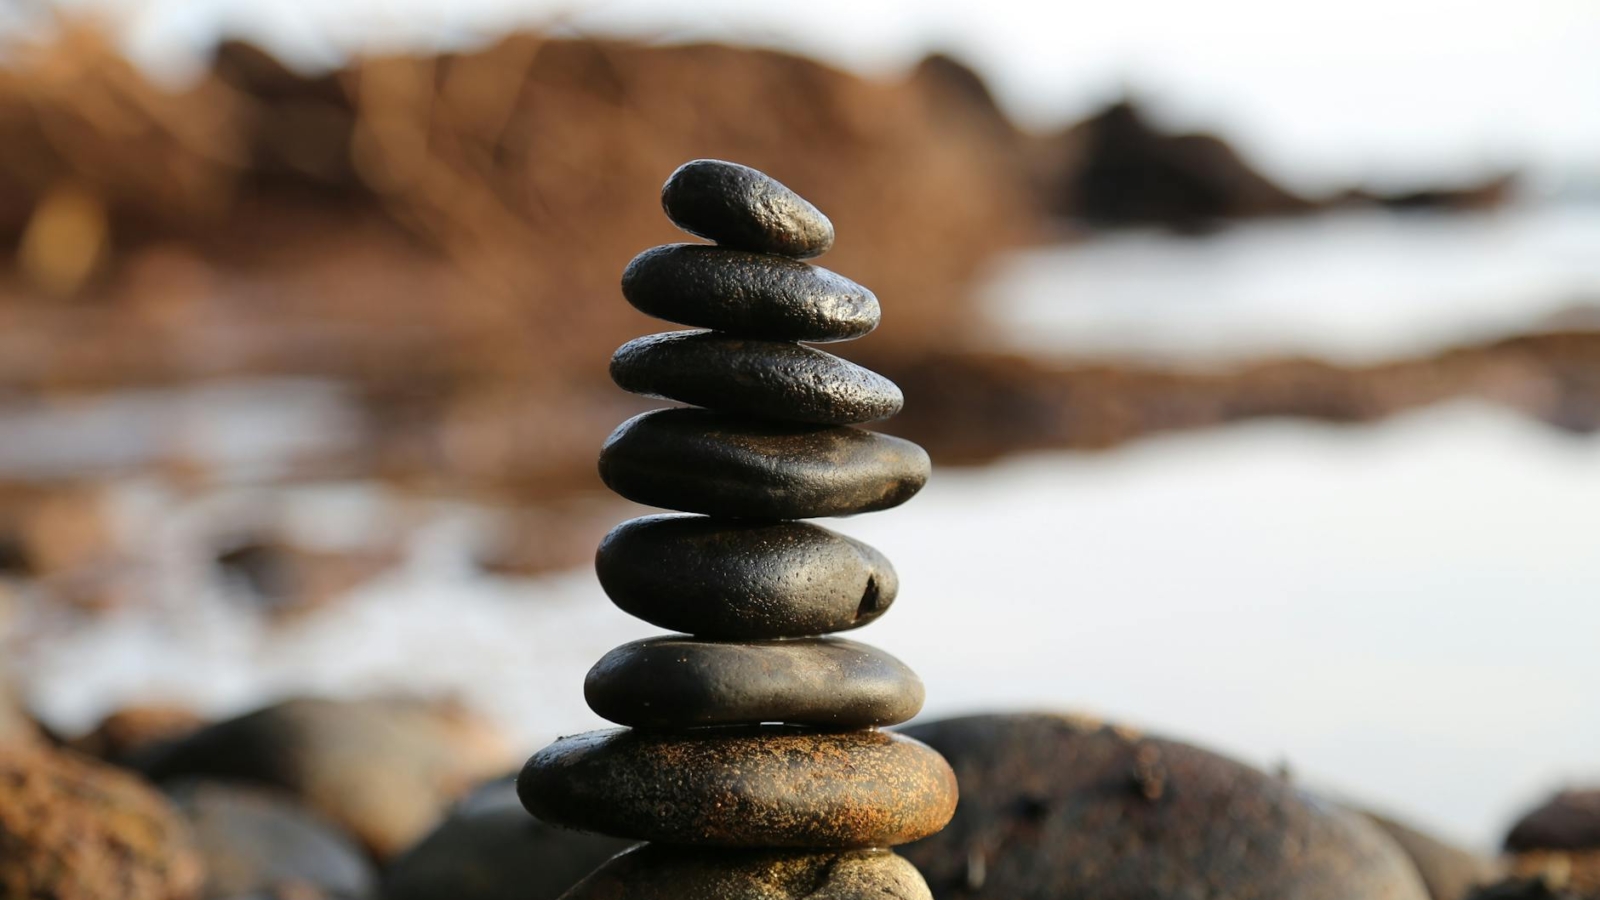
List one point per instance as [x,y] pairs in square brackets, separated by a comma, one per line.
[1577,871]
[660,872]
[74,829]
[129,735]
[1056,807]
[385,770]
[767,787]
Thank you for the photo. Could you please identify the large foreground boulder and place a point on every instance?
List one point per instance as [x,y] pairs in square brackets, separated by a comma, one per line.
[385,770]
[75,829]
[1056,807]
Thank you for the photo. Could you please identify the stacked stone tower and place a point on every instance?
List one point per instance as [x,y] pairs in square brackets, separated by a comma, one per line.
[751,759]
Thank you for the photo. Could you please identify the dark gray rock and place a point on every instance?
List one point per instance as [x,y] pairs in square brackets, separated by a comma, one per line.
[748,294]
[770,379]
[734,580]
[739,207]
[252,839]
[1054,807]
[661,872]
[767,787]
[1568,821]
[700,461]
[673,682]
[491,849]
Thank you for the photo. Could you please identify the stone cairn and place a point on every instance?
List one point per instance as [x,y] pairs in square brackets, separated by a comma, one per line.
[751,759]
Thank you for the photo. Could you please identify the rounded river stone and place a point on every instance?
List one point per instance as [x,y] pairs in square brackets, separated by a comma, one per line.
[753,787]
[673,682]
[737,206]
[732,580]
[749,294]
[1055,806]
[661,872]
[696,460]
[771,379]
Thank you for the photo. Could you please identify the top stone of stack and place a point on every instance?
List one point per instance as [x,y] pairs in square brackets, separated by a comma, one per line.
[739,207]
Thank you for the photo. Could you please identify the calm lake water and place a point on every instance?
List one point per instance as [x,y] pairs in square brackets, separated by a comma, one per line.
[1405,614]
[1353,286]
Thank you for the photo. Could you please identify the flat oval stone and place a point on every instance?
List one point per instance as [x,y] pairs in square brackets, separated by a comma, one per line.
[749,294]
[696,460]
[674,682]
[766,787]
[737,206]
[771,379]
[662,872]
[733,580]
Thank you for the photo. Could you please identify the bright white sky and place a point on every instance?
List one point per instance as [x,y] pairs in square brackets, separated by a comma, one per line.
[1322,93]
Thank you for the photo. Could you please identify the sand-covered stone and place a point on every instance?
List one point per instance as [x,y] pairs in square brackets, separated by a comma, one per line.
[766,787]
[659,872]
[72,828]
[695,460]
[675,682]
[748,294]
[736,580]
[1054,807]
[738,206]
[771,379]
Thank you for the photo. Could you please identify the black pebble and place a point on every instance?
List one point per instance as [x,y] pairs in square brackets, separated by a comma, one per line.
[772,379]
[695,460]
[737,206]
[748,294]
[676,682]
[721,578]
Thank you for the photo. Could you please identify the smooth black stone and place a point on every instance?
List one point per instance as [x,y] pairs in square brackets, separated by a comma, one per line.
[674,682]
[771,379]
[665,872]
[738,787]
[737,206]
[696,460]
[720,578]
[748,294]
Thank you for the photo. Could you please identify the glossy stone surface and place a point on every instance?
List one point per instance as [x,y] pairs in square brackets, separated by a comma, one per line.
[673,682]
[768,787]
[771,379]
[748,294]
[737,206]
[735,580]
[660,872]
[1055,806]
[696,460]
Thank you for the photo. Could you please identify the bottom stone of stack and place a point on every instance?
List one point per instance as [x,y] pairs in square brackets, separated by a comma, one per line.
[743,787]
[662,872]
